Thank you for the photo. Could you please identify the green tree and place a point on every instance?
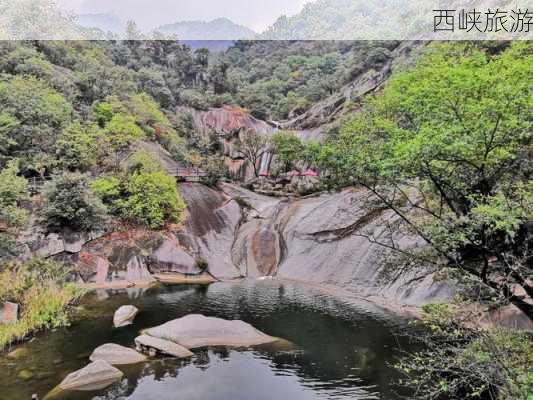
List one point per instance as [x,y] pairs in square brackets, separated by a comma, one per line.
[78,147]
[34,113]
[446,146]
[462,360]
[151,199]
[288,148]
[13,189]
[68,202]
[120,132]
[142,161]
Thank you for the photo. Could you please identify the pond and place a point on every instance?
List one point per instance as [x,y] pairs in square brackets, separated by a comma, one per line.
[343,348]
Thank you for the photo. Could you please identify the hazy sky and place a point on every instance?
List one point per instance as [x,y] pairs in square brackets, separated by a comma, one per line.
[256,14]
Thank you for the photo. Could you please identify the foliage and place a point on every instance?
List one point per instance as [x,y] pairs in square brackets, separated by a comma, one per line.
[32,114]
[13,189]
[68,201]
[39,287]
[78,147]
[121,130]
[150,199]
[103,113]
[107,188]
[461,360]
[201,264]
[214,168]
[287,147]
[446,147]
[142,161]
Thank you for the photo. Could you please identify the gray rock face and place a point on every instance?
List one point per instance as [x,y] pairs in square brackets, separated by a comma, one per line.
[225,125]
[163,346]
[115,354]
[195,331]
[210,227]
[136,270]
[367,81]
[95,376]
[124,316]
[36,242]
[322,240]
[171,257]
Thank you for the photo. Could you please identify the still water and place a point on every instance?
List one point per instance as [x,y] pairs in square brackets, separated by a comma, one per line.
[343,347]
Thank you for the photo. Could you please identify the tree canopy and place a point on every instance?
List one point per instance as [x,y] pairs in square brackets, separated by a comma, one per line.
[447,146]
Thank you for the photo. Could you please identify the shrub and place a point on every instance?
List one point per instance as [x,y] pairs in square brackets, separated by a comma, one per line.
[39,287]
[70,202]
[288,148]
[461,360]
[103,113]
[142,161]
[77,147]
[122,129]
[13,189]
[107,188]
[201,264]
[151,199]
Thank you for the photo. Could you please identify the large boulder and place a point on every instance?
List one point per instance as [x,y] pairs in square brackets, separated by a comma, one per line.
[163,346]
[95,376]
[115,354]
[124,316]
[195,331]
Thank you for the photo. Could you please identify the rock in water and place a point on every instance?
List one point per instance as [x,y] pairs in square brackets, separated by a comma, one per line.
[95,376]
[124,316]
[25,375]
[194,331]
[164,346]
[19,353]
[115,354]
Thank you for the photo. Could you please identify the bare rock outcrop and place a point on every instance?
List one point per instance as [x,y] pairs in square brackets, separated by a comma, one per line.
[115,354]
[124,316]
[95,376]
[367,81]
[323,240]
[196,331]
[210,227]
[163,346]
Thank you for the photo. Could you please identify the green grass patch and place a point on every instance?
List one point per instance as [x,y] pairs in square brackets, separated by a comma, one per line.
[44,296]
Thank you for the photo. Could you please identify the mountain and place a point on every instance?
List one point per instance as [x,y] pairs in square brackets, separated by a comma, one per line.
[341,19]
[217,29]
[105,22]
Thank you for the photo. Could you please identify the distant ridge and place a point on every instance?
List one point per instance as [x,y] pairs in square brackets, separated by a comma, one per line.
[220,29]
[105,22]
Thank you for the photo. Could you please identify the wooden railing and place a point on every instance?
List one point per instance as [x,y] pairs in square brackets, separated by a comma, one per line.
[35,184]
[190,174]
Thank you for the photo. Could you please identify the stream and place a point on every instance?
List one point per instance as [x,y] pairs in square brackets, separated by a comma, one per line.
[343,348]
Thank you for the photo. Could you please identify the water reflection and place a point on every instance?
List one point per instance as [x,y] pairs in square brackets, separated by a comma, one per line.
[343,347]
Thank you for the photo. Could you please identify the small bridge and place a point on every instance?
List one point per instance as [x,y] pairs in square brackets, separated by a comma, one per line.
[189,174]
